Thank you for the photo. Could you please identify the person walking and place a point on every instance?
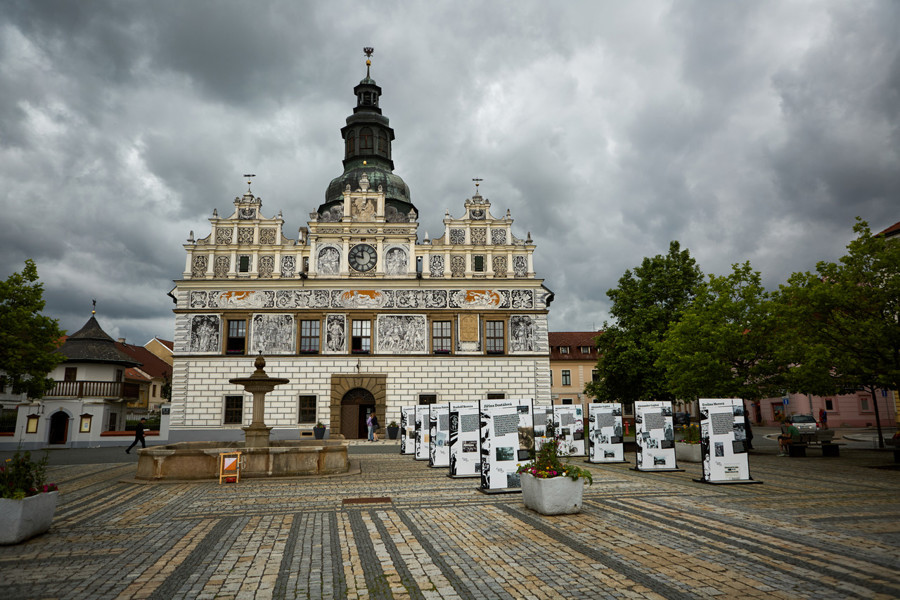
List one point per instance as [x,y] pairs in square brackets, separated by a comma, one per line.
[138,437]
[375,427]
[823,418]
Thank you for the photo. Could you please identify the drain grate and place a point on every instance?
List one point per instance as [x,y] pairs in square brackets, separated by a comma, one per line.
[366,500]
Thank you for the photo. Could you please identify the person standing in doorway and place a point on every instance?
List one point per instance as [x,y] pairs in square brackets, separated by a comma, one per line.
[370,427]
[138,436]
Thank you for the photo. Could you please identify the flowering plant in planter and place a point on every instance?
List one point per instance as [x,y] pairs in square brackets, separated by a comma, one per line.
[690,434]
[548,464]
[21,477]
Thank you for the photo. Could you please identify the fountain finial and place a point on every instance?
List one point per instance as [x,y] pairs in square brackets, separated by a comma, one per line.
[260,362]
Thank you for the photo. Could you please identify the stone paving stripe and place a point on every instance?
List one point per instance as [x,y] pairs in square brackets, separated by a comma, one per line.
[659,585]
[284,571]
[406,578]
[436,557]
[785,558]
[337,571]
[186,570]
[820,545]
[376,582]
[365,500]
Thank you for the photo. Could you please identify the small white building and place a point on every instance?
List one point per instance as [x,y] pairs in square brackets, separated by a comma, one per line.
[89,398]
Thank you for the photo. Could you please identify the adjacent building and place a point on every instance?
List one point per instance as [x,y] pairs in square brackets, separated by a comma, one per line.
[358,312]
[573,364]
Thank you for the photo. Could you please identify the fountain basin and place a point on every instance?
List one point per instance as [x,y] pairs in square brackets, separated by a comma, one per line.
[199,460]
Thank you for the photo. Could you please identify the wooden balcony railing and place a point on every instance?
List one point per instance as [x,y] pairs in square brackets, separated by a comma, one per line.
[95,389]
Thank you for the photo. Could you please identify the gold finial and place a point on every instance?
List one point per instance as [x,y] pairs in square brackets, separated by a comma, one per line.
[477,183]
[368,50]
[249,176]
[93,307]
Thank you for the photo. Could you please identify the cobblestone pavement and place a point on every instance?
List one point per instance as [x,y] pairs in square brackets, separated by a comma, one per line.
[816,528]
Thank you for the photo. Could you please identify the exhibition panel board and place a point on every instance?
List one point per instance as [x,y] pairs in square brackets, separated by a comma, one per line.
[605,440]
[423,411]
[568,426]
[543,416]
[507,440]
[408,430]
[438,434]
[465,456]
[723,436]
[655,436]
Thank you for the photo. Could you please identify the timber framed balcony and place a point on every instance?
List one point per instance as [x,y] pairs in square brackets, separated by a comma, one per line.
[95,389]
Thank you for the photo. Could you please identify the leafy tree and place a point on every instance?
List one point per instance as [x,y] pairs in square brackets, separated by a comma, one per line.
[646,302]
[27,338]
[845,319]
[723,345]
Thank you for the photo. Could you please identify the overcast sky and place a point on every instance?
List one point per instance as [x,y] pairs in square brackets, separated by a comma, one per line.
[744,130]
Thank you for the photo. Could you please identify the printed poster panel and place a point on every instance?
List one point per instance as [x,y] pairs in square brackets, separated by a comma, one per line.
[722,436]
[605,441]
[568,425]
[655,436]
[408,430]
[423,440]
[543,417]
[439,435]
[465,454]
[507,440]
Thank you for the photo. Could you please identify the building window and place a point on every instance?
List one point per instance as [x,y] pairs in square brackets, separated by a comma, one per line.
[829,404]
[366,140]
[244,263]
[494,337]
[563,349]
[234,410]
[478,265]
[71,373]
[496,396]
[309,337]
[350,144]
[307,409]
[585,349]
[362,337]
[153,393]
[864,404]
[567,401]
[566,377]
[595,375]
[118,375]
[237,337]
[441,338]
[111,425]
[427,398]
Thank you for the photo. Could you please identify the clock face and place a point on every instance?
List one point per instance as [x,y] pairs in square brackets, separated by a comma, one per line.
[362,257]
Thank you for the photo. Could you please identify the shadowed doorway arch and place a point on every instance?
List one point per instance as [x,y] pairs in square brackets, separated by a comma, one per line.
[59,428]
[355,407]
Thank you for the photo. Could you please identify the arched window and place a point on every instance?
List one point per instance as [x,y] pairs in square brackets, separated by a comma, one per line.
[351,147]
[366,140]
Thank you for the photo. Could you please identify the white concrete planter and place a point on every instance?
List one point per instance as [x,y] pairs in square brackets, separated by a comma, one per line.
[554,496]
[687,452]
[24,519]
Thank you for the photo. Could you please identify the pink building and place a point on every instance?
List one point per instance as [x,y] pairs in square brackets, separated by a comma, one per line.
[856,409]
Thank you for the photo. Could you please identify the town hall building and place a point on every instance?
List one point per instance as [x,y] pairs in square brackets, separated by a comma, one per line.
[357,312]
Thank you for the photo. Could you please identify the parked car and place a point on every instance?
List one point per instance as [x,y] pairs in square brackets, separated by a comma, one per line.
[805,423]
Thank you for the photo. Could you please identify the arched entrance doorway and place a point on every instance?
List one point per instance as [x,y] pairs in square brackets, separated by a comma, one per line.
[59,428]
[355,406]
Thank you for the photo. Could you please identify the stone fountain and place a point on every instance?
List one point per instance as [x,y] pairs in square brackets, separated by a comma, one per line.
[260,457]
[259,384]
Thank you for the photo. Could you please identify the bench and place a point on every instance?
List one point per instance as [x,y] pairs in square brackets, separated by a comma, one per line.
[821,439]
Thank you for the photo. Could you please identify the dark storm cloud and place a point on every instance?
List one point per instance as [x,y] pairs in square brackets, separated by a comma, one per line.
[744,130]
